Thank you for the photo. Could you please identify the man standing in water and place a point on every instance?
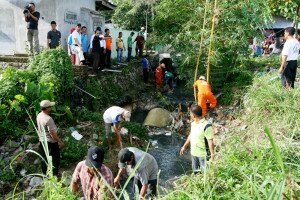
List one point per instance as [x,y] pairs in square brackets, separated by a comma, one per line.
[200,129]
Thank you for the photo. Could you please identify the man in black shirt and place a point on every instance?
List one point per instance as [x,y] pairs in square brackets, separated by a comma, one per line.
[53,36]
[32,18]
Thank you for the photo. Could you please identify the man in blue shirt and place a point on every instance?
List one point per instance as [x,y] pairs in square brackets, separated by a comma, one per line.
[146,68]
[84,41]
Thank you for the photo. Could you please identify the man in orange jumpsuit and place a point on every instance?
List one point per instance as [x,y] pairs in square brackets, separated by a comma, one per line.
[204,93]
[159,75]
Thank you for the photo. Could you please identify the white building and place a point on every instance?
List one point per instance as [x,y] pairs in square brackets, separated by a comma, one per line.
[66,13]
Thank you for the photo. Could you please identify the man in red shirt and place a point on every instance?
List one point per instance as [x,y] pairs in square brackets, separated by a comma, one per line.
[140,44]
[159,75]
[87,173]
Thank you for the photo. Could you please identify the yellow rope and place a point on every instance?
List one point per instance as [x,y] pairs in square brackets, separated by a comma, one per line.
[200,48]
[211,41]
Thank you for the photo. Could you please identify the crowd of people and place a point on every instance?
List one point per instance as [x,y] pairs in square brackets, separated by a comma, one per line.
[91,173]
[94,176]
[81,47]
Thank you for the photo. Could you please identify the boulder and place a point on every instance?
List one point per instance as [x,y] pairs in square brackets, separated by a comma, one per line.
[158,117]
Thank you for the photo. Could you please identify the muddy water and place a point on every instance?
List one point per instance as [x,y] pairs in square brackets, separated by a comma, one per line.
[166,152]
[167,156]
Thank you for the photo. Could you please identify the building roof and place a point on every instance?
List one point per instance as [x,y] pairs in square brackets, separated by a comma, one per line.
[104,5]
[280,23]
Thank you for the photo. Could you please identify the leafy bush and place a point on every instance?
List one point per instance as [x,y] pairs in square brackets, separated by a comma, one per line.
[248,165]
[50,76]
[54,65]
[85,115]
[106,91]
[73,151]
[135,129]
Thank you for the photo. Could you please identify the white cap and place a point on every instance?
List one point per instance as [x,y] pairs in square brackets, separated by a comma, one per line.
[202,77]
[127,115]
[46,104]
[143,28]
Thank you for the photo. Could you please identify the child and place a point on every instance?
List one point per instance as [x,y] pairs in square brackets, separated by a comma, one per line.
[200,129]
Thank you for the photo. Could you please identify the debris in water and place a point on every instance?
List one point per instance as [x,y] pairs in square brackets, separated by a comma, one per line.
[153,143]
[168,133]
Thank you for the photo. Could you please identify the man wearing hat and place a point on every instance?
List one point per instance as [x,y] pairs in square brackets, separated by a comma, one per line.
[146,174]
[47,130]
[88,172]
[112,117]
[203,91]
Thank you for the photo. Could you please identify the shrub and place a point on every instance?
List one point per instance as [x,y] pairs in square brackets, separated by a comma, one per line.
[135,129]
[73,151]
[54,65]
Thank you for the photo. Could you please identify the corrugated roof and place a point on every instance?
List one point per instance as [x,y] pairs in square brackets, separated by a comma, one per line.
[280,23]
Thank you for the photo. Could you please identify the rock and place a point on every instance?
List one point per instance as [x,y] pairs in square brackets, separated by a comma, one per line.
[158,117]
[35,182]
[29,138]
[95,136]
[18,150]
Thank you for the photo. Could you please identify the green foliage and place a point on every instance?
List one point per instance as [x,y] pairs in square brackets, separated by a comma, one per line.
[54,66]
[131,14]
[135,129]
[73,151]
[185,21]
[6,174]
[286,8]
[50,76]
[107,92]
[251,164]
[85,115]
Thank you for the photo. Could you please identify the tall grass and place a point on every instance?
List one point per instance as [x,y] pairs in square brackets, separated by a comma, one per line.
[262,162]
[53,189]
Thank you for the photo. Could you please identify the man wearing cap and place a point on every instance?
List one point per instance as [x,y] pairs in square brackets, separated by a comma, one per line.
[146,174]
[203,91]
[87,173]
[159,75]
[47,130]
[112,117]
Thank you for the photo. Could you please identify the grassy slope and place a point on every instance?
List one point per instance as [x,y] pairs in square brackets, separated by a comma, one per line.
[246,166]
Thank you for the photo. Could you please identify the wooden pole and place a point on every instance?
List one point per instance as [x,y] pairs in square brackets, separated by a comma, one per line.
[200,48]
[211,41]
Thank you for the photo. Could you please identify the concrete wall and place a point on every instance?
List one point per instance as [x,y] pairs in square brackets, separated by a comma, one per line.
[13,33]
[114,32]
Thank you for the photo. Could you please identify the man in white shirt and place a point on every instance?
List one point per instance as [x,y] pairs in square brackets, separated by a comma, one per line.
[76,46]
[112,118]
[102,51]
[289,57]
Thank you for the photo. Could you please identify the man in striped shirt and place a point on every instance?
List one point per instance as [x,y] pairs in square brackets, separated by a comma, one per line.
[87,173]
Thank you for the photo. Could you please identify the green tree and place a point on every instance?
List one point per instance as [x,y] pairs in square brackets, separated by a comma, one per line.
[133,14]
[236,21]
[286,8]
